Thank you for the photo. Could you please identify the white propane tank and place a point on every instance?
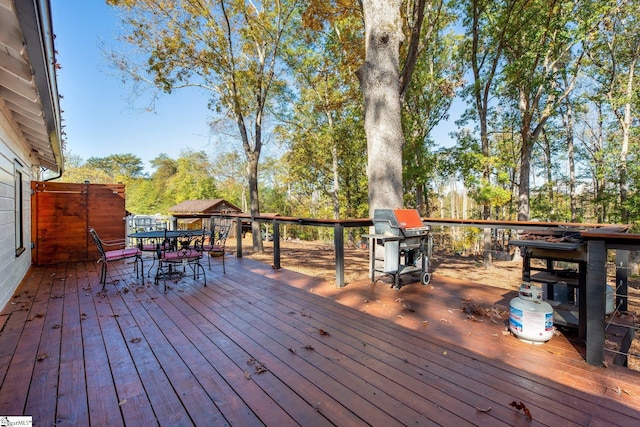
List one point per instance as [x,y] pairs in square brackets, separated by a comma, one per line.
[610,300]
[531,318]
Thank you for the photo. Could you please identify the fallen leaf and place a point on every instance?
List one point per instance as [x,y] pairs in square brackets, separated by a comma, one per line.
[323,332]
[487,409]
[135,340]
[260,368]
[308,347]
[122,402]
[292,351]
[521,407]
[247,375]
[42,356]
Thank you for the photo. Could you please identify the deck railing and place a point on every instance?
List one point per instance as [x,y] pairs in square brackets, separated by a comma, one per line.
[339,226]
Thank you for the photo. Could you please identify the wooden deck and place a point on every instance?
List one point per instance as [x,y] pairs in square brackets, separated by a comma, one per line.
[263,347]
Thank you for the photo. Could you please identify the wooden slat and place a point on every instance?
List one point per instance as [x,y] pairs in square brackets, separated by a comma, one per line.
[48,309]
[62,213]
[72,387]
[225,405]
[102,397]
[131,379]
[20,371]
[137,356]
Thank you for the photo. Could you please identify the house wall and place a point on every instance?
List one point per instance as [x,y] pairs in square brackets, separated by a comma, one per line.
[13,266]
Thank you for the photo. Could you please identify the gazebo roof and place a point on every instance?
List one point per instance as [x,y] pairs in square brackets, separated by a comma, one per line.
[203,207]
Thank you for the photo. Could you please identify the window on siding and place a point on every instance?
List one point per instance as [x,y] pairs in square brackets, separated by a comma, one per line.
[19,207]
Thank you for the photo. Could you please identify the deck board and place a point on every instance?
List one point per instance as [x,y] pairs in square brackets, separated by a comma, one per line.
[134,355]
[102,397]
[72,406]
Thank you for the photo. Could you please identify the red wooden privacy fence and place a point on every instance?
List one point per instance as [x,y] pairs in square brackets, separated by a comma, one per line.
[61,214]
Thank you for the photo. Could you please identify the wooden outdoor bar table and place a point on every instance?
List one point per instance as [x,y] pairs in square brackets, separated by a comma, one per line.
[590,255]
[552,252]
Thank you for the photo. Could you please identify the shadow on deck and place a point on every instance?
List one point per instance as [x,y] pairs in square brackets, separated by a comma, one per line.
[273,347]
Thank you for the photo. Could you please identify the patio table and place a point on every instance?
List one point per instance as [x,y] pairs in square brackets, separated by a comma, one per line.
[157,236]
[161,234]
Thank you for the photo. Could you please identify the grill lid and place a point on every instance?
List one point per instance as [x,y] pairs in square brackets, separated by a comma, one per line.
[398,222]
[408,218]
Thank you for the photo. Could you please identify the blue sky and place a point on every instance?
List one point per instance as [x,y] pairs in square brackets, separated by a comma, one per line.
[98,118]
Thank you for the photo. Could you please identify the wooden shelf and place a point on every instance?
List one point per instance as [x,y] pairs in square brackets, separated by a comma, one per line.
[551,278]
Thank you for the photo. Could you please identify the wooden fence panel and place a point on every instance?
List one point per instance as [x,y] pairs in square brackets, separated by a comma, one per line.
[62,213]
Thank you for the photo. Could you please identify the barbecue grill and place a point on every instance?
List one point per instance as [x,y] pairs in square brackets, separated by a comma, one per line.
[406,241]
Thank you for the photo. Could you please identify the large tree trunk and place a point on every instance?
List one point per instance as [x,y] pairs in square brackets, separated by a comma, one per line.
[252,173]
[625,124]
[525,174]
[379,82]
[568,118]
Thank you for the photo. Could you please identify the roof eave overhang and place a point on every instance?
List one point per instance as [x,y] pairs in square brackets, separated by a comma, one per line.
[36,110]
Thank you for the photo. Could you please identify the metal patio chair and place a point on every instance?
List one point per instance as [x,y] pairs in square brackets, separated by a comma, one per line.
[215,246]
[182,251]
[111,255]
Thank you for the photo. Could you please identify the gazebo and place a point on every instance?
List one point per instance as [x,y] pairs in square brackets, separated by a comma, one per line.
[189,214]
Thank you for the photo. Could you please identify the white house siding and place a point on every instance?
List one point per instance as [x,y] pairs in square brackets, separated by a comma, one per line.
[12,268]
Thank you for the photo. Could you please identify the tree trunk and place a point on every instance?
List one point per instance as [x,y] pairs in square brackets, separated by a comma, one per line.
[625,124]
[571,158]
[379,82]
[525,173]
[252,173]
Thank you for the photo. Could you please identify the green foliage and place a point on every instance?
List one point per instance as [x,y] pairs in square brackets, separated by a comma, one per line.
[324,133]
[117,165]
